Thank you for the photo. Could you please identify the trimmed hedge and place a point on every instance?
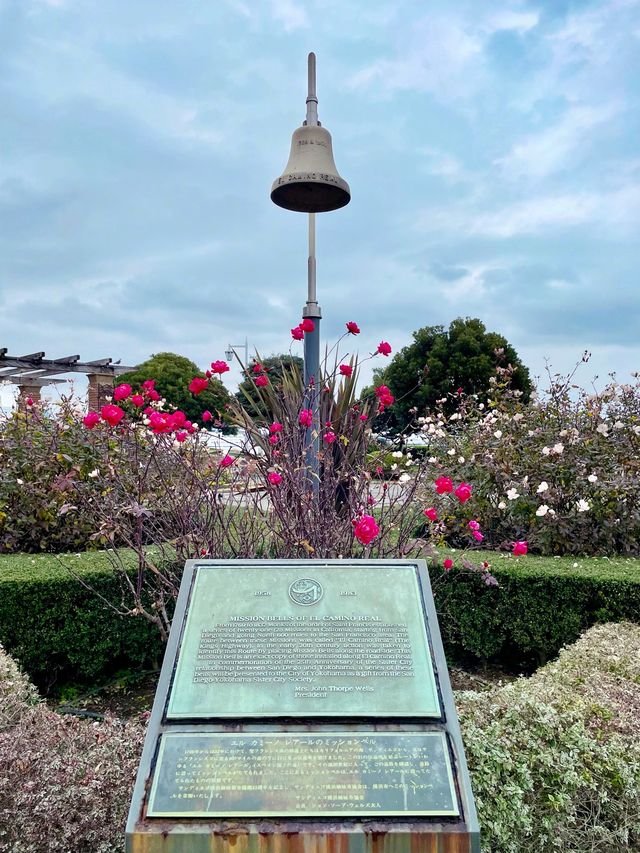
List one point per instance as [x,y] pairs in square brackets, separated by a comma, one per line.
[61,632]
[540,605]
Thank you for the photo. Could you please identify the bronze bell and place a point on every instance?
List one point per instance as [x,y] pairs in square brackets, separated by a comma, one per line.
[310,182]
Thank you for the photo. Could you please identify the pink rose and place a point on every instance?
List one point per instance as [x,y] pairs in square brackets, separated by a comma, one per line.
[206,415]
[305,418]
[477,535]
[219,367]
[122,392]
[473,525]
[262,381]
[444,484]
[276,426]
[198,384]
[384,348]
[365,529]
[148,385]
[448,564]
[463,492]
[346,369]
[352,328]
[181,436]
[363,418]
[329,437]
[137,400]
[520,549]
[431,514]
[226,461]
[91,419]
[153,395]
[112,414]
[273,439]
[274,478]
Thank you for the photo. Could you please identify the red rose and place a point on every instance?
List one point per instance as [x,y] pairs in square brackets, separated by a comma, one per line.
[448,564]
[122,391]
[444,484]
[305,418]
[346,369]
[384,348]
[352,328]
[307,325]
[463,492]
[297,334]
[112,414]
[137,400]
[520,549]
[365,529]
[262,381]
[219,367]
[198,384]
[206,415]
[431,514]
[91,419]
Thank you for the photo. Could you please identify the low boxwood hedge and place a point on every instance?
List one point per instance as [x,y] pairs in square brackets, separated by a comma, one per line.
[61,632]
[540,605]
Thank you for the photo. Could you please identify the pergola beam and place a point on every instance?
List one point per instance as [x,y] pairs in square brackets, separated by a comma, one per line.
[41,366]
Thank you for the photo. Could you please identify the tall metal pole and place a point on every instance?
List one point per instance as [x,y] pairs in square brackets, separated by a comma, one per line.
[312,311]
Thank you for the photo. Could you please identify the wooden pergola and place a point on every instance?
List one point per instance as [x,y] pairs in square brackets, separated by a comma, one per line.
[32,372]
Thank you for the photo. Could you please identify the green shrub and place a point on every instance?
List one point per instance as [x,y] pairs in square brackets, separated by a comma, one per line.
[65,783]
[549,769]
[59,630]
[540,605]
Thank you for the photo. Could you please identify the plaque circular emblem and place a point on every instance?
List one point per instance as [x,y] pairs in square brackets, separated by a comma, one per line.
[306,591]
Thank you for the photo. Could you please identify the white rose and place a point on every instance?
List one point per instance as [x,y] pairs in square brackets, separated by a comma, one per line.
[582,505]
[498,433]
[545,451]
[542,510]
[592,478]
[502,505]
[558,448]
[512,494]
[542,487]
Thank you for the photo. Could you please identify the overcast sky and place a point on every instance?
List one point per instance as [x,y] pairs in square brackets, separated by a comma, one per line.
[492,150]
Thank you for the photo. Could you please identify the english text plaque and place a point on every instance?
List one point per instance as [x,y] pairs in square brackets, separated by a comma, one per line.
[303,775]
[338,641]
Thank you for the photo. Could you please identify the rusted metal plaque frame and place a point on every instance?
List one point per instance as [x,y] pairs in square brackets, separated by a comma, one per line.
[311,835]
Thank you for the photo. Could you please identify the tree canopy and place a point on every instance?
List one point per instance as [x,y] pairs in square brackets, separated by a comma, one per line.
[439,361]
[172,374]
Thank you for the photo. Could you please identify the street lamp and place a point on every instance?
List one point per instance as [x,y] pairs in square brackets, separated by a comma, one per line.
[231,351]
[311,184]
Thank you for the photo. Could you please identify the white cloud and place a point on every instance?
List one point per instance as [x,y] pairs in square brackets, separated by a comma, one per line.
[508,19]
[290,14]
[546,152]
[436,56]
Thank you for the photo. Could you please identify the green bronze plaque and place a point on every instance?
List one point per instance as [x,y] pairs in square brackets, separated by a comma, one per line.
[324,774]
[344,640]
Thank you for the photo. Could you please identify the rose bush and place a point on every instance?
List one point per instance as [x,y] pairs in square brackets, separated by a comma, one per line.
[562,472]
